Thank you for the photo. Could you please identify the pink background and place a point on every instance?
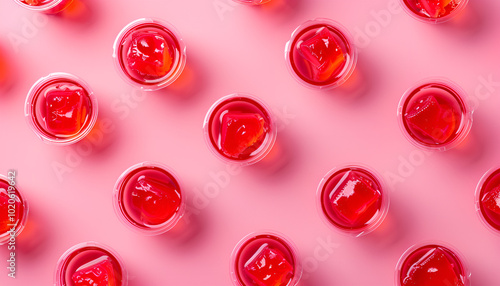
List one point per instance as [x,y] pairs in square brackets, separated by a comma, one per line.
[240,48]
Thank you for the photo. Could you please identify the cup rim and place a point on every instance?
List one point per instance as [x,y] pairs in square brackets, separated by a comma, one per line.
[164,81]
[454,251]
[379,218]
[28,109]
[4,238]
[266,146]
[68,252]
[289,244]
[349,69]
[157,229]
[462,100]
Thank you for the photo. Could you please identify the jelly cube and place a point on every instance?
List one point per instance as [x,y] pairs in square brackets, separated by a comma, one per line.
[4,215]
[241,131]
[432,269]
[157,201]
[99,272]
[432,119]
[492,200]
[149,55]
[64,114]
[434,8]
[268,267]
[324,54]
[354,199]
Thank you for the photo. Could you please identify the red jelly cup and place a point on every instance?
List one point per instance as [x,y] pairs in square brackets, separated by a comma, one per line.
[432,263]
[13,210]
[435,115]
[240,129]
[353,199]
[433,11]
[265,259]
[44,6]
[321,54]
[61,108]
[148,198]
[487,199]
[90,261]
[142,66]
[252,2]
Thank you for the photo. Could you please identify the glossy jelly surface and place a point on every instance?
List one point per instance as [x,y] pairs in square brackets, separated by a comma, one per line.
[321,54]
[265,260]
[435,115]
[432,265]
[149,197]
[240,128]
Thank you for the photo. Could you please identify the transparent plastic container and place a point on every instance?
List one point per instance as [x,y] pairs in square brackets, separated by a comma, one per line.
[136,213]
[253,247]
[246,105]
[84,256]
[433,12]
[40,105]
[322,71]
[340,209]
[487,198]
[434,114]
[15,206]
[45,6]
[443,263]
[152,76]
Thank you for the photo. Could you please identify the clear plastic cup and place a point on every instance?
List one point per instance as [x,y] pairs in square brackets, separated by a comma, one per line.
[148,198]
[353,199]
[48,115]
[13,208]
[129,55]
[93,259]
[487,198]
[259,246]
[314,61]
[227,142]
[432,11]
[45,6]
[437,262]
[434,114]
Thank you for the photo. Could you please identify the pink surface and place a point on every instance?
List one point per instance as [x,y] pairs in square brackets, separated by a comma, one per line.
[235,48]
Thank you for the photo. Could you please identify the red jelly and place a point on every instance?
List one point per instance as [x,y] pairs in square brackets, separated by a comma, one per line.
[240,128]
[488,199]
[99,272]
[352,199]
[433,120]
[13,209]
[61,108]
[241,131]
[265,259]
[268,267]
[321,54]
[45,6]
[432,265]
[90,264]
[149,55]
[434,10]
[435,115]
[148,198]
